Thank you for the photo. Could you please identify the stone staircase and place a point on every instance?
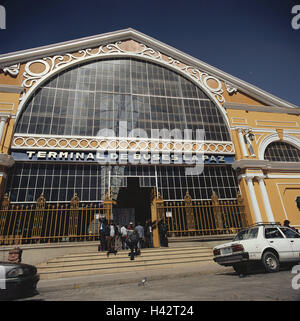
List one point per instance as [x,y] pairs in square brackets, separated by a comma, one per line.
[91,263]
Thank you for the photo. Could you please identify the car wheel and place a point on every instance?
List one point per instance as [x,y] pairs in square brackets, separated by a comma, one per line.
[270,262]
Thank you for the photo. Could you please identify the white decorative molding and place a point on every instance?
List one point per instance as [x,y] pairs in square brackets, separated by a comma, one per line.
[11,89]
[47,142]
[231,89]
[12,70]
[275,137]
[129,33]
[52,65]
[283,176]
[6,106]
[274,123]
[55,63]
[258,137]
[239,121]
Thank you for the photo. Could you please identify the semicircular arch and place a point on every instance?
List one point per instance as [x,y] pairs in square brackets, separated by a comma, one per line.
[275,138]
[48,75]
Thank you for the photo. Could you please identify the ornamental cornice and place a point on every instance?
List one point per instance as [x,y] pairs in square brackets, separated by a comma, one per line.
[12,70]
[36,71]
[129,33]
[30,142]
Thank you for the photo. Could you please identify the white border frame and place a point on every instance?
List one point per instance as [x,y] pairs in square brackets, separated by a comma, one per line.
[273,138]
[78,61]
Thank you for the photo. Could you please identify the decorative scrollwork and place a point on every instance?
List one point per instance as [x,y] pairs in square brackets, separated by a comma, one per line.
[230,89]
[12,70]
[23,141]
[50,64]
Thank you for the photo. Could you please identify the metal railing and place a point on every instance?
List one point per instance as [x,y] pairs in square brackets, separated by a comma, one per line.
[48,223]
[201,218]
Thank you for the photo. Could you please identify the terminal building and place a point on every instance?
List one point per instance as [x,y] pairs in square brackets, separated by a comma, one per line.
[125,118]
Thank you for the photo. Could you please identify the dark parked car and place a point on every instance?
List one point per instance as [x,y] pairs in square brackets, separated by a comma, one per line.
[17,279]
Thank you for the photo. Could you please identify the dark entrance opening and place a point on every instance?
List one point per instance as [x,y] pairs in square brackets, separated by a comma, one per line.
[136,200]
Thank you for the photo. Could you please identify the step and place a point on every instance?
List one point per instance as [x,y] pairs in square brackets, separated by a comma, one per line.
[98,263]
[121,254]
[102,259]
[129,267]
[154,250]
[116,260]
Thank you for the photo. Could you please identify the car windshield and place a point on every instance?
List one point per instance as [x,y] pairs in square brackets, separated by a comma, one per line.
[246,234]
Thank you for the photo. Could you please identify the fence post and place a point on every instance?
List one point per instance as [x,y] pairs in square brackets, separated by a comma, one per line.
[5,202]
[107,206]
[38,218]
[73,218]
[190,220]
[217,210]
[3,216]
[157,207]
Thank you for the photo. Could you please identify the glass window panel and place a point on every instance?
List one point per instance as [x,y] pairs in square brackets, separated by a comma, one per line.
[282,152]
[82,92]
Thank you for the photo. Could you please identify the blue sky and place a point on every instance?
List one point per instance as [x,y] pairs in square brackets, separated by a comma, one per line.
[252,40]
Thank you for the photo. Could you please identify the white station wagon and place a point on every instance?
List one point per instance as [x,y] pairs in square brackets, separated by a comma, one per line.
[266,243]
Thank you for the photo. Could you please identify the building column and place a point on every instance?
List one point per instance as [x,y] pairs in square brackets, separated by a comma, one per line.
[253,199]
[3,119]
[265,197]
[242,142]
[6,161]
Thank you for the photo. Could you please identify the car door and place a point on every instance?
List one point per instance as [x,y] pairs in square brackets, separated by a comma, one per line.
[281,244]
[294,238]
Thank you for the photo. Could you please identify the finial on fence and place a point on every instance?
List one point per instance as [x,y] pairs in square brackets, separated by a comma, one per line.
[41,201]
[187,197]
[6,201]
[214,197]
[75,201]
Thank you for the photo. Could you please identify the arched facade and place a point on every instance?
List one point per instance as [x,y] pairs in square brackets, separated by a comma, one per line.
[71,111]
[125,100]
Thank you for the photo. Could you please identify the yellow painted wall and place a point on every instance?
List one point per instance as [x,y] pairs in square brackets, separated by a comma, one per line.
[246,197]
[281,192]
[261,120]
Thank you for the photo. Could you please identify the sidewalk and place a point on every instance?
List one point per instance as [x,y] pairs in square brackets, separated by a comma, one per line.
[175,271]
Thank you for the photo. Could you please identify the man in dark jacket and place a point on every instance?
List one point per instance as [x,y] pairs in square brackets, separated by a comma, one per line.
[163,233]
[111,231]
[148,234]
[132,243]
[102,226]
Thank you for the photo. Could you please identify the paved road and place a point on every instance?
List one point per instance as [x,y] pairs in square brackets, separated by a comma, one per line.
[215,286]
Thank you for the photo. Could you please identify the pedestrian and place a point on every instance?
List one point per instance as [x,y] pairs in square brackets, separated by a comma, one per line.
[124,234]
[163,233]
[140,230]
[148,234]
[286,223]
[102,225]
[111,232]
[118,227]
[130,227]
[132,242]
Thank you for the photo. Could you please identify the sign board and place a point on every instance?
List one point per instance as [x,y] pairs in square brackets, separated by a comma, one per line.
[122,158]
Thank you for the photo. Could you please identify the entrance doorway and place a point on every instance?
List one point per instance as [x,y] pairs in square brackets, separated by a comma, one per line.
[134,202]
